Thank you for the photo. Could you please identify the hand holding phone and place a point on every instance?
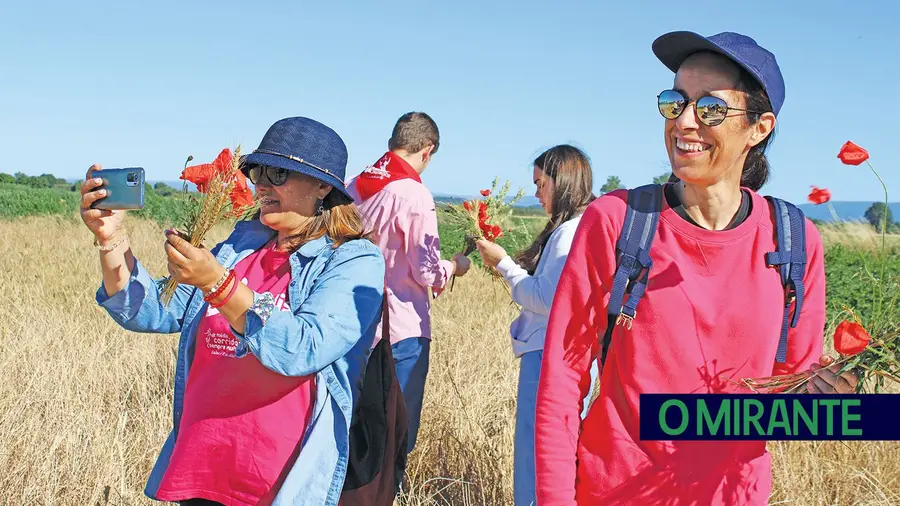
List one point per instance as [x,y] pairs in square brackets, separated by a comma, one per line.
[103,223]
[124,189]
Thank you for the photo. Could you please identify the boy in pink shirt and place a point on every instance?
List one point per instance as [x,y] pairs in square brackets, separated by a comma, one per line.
[400,211]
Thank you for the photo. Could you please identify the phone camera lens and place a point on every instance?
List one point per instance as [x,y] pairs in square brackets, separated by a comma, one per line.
[132,177]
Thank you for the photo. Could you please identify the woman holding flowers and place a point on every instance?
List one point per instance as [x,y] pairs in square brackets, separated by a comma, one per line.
[275,324]
[563,180]
[712,311]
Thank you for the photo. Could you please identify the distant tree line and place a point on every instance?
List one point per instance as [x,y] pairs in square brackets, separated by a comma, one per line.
[875,215]
[614,183]
[42,181]
[51,181]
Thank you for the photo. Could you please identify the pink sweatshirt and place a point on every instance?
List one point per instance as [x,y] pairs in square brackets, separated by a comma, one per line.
[712,313]
[403,218]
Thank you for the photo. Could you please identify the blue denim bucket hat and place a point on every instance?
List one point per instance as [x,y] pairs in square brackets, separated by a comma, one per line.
[306,146]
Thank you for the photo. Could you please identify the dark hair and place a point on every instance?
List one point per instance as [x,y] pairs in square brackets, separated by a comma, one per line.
[570,170]
[414,131]
[756,167]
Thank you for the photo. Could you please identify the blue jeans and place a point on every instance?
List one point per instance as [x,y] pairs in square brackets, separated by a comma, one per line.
[526,405]
[523,451]
[411,361]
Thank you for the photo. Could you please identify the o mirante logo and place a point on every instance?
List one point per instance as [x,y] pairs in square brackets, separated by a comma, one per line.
[768,417]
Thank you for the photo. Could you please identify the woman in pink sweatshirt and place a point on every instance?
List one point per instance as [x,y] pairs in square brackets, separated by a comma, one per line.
[712,311]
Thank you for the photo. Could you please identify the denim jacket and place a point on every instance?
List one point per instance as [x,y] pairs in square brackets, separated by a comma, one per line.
[335,299]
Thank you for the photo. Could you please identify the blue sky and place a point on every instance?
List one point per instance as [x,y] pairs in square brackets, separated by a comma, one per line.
[129,84]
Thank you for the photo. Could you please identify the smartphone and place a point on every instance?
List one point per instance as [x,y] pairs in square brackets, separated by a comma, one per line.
[124,188]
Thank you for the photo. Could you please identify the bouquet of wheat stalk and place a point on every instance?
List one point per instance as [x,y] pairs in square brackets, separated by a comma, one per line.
[223,195]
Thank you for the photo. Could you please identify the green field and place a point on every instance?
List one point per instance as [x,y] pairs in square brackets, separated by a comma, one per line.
[20,200]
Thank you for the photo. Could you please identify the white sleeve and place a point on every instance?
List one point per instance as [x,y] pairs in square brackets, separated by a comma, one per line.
[535,293]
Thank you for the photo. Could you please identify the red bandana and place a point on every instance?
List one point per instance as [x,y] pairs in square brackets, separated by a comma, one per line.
[387,169]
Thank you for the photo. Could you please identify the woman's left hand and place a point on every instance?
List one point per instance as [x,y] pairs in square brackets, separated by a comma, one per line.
[826,380]
[190,265]
[491,253]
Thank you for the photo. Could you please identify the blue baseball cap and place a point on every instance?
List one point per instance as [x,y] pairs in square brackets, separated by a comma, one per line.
[675,47]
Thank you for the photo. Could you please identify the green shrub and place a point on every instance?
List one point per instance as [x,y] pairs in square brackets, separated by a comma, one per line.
[167,211]
[164,190]
[19,200]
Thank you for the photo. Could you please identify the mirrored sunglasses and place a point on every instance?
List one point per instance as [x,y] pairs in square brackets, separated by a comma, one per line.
[710,110]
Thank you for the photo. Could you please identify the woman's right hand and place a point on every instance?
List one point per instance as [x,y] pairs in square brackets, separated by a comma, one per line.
[103,223]
[491,253]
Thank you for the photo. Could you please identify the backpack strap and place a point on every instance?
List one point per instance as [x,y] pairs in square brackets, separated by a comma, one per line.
[633,261]
[377,457]
[790,256]
[385,317]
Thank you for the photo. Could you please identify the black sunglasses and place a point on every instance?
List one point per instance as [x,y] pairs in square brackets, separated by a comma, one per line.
[710,110]
[275,175]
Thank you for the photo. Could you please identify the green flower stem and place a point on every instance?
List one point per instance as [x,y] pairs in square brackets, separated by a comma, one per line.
[833,214]
[884,221]
[882,280]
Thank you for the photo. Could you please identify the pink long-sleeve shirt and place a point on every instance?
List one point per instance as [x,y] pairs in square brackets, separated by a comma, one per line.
[711,315]
[403,219]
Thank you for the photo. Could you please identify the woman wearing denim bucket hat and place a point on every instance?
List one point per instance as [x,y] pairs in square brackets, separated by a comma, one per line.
[275,323]
[698,253]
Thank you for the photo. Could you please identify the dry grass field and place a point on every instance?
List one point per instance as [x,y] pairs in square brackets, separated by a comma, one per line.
[85,406]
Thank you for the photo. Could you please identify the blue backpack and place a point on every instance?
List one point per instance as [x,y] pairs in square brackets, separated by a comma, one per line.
[633,261]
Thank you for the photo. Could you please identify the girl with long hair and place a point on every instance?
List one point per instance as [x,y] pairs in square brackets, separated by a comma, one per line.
[563,180]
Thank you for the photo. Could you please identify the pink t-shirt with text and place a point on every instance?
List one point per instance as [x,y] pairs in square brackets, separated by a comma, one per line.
[243,423]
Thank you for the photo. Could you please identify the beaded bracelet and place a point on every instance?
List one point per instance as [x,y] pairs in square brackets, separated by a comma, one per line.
[216,291]
[231,292]
[109,247]
[219,283]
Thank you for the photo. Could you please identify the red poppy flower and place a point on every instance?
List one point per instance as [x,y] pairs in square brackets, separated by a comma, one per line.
[240,181]
[467,206]
[851,154]
[482,211]
[850,338]
[496,231]
[200,175]
[241,198]
[485,193]
[819,195]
